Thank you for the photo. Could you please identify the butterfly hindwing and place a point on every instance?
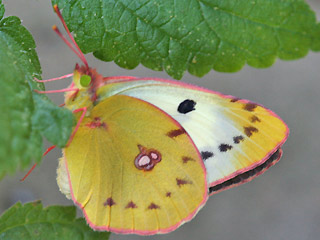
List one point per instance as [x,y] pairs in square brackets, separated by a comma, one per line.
[233,136]
[134,169]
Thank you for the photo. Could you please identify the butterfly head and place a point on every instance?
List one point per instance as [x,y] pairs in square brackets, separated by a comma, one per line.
[86,80]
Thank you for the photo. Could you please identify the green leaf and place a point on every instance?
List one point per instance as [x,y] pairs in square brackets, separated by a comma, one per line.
[193,35]
[19,141]
[31,221]
[53,122]
[25,115]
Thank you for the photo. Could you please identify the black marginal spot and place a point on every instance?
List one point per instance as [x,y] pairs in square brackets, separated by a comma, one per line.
[238,139]
[254,119]
[187,159]
[109,202]
[206,154]
[250,107]
[224,147]
[153,206]
[176,132]
[186,106]
[181,182]
[234,99]
[131,205]
[247,176]
[249,130]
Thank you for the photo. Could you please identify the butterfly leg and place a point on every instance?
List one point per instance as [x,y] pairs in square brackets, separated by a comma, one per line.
[71,88]
[57,91]
[54,79]
[34,165]
[84,111]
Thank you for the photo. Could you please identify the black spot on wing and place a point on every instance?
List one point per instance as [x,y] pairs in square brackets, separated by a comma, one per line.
[238,139]
[250,130]
[186,106]
[250,107]
[176,132]
[187,159]
[181,182]
[254,119]
[153,206]
[206,154]
[224,147]
[246,176]
[131,204]
[234,99]
[109,202]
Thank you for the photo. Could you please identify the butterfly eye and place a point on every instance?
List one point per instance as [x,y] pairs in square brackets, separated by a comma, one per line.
[85,80]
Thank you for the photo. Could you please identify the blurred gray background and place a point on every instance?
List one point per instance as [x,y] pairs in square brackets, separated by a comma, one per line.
[283,203]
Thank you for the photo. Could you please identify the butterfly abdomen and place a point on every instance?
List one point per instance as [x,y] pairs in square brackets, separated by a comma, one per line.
[62,178]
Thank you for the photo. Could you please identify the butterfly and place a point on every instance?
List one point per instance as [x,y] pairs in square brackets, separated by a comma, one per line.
[147,153]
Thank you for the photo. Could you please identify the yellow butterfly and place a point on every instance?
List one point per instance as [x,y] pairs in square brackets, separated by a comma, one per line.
[147,152]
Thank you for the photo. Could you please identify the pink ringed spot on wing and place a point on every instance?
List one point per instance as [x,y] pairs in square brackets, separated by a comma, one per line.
[153,155]
[96,123]
[168,194]
[147,158]
[144,160]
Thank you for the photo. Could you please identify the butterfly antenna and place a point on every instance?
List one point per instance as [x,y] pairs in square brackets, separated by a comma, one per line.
[55,28]
[84,111]
[79,52]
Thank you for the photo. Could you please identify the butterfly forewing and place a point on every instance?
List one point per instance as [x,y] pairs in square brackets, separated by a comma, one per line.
[232,135]
[134,169]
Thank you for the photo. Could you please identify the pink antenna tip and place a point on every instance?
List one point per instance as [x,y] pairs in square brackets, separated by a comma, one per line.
[55,7]
[78,52]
